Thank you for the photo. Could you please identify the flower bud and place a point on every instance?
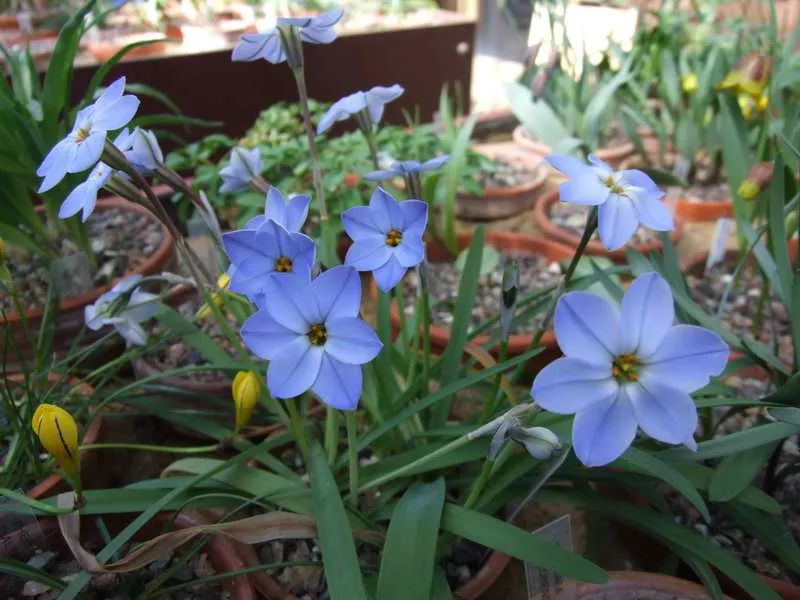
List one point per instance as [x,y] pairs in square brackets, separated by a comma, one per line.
[223,281]
[245,390]
[689,83]
[58,433]
[758,178]
[144,153]
[509,293]
[540,442]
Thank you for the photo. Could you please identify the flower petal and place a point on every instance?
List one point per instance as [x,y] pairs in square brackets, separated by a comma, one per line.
[265,337]
[77,199]
[687,357]
[663,412]
[600,164]
[338,293]
[389,275]
[587,327]
[297,212]
[131,331]
[385,211]
[586,189]
[617,222]
[358,222]
[377,97]
[569,166]
[368,253]
[569,385]
[410,252]
[351,341]
[338,384]
[87,152]
[433,164]
[117,114]
[646,315]
[415,216]
[294,370]
[652,212]
[275,206]
[290,301]
[242,245]
[602,432]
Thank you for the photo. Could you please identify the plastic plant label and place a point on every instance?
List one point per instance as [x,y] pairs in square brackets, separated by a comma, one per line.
[545,584]
[71,275]
[722,231]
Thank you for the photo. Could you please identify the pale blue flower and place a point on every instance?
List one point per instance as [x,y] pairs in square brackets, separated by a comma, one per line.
[81,149]
[312,336]
[371,102]
[84,196]
[143,152]
[245,166]
[624,198]
[256,253]
[124,309]
[267,45]
[387,237]
[627,368]
[290,214]
[404,168]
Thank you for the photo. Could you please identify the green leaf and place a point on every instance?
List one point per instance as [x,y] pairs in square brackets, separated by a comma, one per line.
[643,462]
[489,260]
[540,119]
[507,538]
[409,553]
[333,529]
[176,323]
[25,572]
[738,441]
[771,531]
[462,315]
[452,178]
[737,471]
[700,477]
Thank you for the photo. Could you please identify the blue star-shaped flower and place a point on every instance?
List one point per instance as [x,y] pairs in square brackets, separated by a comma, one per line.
[625,198]
[245,165]
[627,369]
[81,149]
[372,101]
[408,167]
[290,214]
[387,237]
[312,336]
[256,253]
[126,318]
[267,45]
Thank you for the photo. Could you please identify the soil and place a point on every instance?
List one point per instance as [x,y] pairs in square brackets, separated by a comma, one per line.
[712,192]
[121,241]
[742,305]
[572,217]
[505,175]
[535,273]
[176,353]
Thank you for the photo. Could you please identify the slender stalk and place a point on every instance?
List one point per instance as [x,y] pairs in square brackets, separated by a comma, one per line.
[328,243]
[491,406]
[479,484]
[331,433]
[297,428]
[153,448]
[352,453]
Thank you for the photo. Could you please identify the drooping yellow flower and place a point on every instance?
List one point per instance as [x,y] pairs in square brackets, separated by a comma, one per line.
[223,281]
[750,76]
[58,433]
[245,390]
[689,83]
[748,190]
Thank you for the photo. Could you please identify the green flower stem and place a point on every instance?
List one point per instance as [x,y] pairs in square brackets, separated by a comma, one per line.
[479,484]
[297,428]
[331,433]
[352,453]
[328,242]
[426,340]
[410,467]
[153,448]
[491,407]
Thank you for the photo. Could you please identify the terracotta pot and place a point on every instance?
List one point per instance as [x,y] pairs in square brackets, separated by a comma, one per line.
[699,211]
[613,156]
[55,483]
[504,202]
[541,213]
[628,585]
[70,319]
[786,590]
[518,342]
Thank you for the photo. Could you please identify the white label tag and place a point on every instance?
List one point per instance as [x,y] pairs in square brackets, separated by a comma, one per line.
[544,584]
[719,242]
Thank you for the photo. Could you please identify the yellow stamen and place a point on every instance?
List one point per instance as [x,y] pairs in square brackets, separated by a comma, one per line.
[318,335]
[393,238]
[283,264]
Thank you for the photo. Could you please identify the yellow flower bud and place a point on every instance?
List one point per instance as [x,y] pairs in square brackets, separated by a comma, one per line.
[763,103]
[748,190]
[689,83]
[58,433]
[223,281]
[747,105]
[245,390]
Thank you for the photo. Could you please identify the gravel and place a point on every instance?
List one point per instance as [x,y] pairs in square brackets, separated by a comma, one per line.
[536,273]
[121,240]
[505,175]
[712,192]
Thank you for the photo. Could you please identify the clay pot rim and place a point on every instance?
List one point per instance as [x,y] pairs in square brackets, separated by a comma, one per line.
[541,215]
[148,368]
[490,193]
[500,240]
[52,481]
[695,210]
[639,580]
[149,264]
[607,153]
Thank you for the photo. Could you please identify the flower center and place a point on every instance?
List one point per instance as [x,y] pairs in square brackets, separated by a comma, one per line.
[393,238]
[83,132]
[318,335]
[283,265]
[612,185]
[625,368]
